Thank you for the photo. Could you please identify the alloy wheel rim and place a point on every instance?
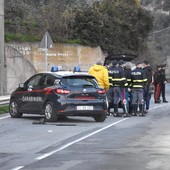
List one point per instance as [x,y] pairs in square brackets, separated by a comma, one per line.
[13,108]
[48,111]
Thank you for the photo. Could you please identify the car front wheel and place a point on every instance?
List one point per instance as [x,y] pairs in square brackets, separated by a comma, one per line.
[99,118]
[49,112]
[14,109]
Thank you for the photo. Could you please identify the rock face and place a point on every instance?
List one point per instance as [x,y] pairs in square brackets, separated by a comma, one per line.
[168,68]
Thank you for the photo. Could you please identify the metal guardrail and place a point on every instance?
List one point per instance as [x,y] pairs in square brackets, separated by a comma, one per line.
[4,100]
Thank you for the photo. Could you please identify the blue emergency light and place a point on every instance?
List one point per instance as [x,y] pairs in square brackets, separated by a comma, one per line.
[77,69]
[54,69]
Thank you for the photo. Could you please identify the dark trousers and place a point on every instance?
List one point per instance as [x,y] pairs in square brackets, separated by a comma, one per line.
[163,91]
[110,96]
[147,97]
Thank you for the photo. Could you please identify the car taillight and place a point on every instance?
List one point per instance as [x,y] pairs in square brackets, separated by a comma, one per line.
[102,91]
[62,91]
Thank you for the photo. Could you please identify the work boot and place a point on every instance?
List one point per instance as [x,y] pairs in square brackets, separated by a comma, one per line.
[141,112]
[145,111]
[125,113]
[116,114]
[165,101]
[134,109]
[115,106]
[159,101]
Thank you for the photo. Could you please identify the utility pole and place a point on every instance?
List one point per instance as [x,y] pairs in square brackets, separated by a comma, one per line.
[2,76]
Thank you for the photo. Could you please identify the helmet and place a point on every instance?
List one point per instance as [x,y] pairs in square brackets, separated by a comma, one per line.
[121,62]
[114,62]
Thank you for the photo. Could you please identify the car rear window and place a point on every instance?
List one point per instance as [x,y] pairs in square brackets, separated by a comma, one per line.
[81,81]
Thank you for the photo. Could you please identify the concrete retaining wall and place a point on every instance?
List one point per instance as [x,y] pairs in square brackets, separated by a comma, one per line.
[18,69]
[64,55]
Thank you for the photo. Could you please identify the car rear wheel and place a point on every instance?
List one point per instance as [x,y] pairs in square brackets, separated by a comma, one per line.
[99,118]
[14,109]
[49,112]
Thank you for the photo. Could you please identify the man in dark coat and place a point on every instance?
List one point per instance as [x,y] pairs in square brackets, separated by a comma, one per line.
[163,83]
[147,94]
[157,83]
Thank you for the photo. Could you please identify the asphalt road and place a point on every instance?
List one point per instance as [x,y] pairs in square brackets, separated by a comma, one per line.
[135,143]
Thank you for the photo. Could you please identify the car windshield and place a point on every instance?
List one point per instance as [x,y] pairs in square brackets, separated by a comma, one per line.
[82,81]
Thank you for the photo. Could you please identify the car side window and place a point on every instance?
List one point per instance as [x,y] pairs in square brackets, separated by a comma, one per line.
[49,81]
[34,82]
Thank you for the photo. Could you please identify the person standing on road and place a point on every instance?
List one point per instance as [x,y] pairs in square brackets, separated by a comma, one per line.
[119,82]
[147,94]
[128,94]
[100,72]
[157,84]
[163,83]
[139,80]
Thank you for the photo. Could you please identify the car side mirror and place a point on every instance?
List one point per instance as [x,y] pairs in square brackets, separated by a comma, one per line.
[30,87]
[21,85]
[57,82]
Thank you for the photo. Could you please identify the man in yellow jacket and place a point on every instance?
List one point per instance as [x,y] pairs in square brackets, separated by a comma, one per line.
[100,72]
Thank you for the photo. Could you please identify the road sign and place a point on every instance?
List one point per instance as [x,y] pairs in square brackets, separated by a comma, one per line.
[46,41]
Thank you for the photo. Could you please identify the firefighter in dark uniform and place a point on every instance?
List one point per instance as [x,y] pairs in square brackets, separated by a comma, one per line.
[163,83]
[157,84]
[119,82]
[139,80]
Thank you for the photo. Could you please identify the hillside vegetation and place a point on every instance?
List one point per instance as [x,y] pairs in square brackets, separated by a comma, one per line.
[117,26]
[159,39]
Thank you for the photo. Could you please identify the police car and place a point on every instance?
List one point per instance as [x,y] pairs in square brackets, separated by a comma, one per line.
[60,93]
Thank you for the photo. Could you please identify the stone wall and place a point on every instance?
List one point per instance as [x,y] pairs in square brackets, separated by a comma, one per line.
[64,55]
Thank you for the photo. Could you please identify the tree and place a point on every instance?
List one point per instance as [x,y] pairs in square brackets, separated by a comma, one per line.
[166,5]
[116,26]
[37,16]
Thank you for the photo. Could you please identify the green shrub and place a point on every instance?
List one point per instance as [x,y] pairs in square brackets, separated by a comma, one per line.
[73,41]
[4,109]
[20,37]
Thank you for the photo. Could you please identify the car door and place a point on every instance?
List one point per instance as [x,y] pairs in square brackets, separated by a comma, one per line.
[38,94]
[30,98]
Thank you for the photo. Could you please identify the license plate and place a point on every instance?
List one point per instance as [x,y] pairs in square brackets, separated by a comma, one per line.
[84,107]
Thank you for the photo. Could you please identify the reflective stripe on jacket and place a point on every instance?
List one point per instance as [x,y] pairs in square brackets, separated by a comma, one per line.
[118,78]
[138,78]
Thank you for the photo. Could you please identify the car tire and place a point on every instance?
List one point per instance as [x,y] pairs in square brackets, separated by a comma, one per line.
[50,114]
[99,118]
[14,109]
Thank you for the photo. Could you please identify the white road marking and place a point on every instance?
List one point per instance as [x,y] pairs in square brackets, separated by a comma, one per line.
[5,117]
[82,138]
[78,140]
[17,168]
[161,105]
